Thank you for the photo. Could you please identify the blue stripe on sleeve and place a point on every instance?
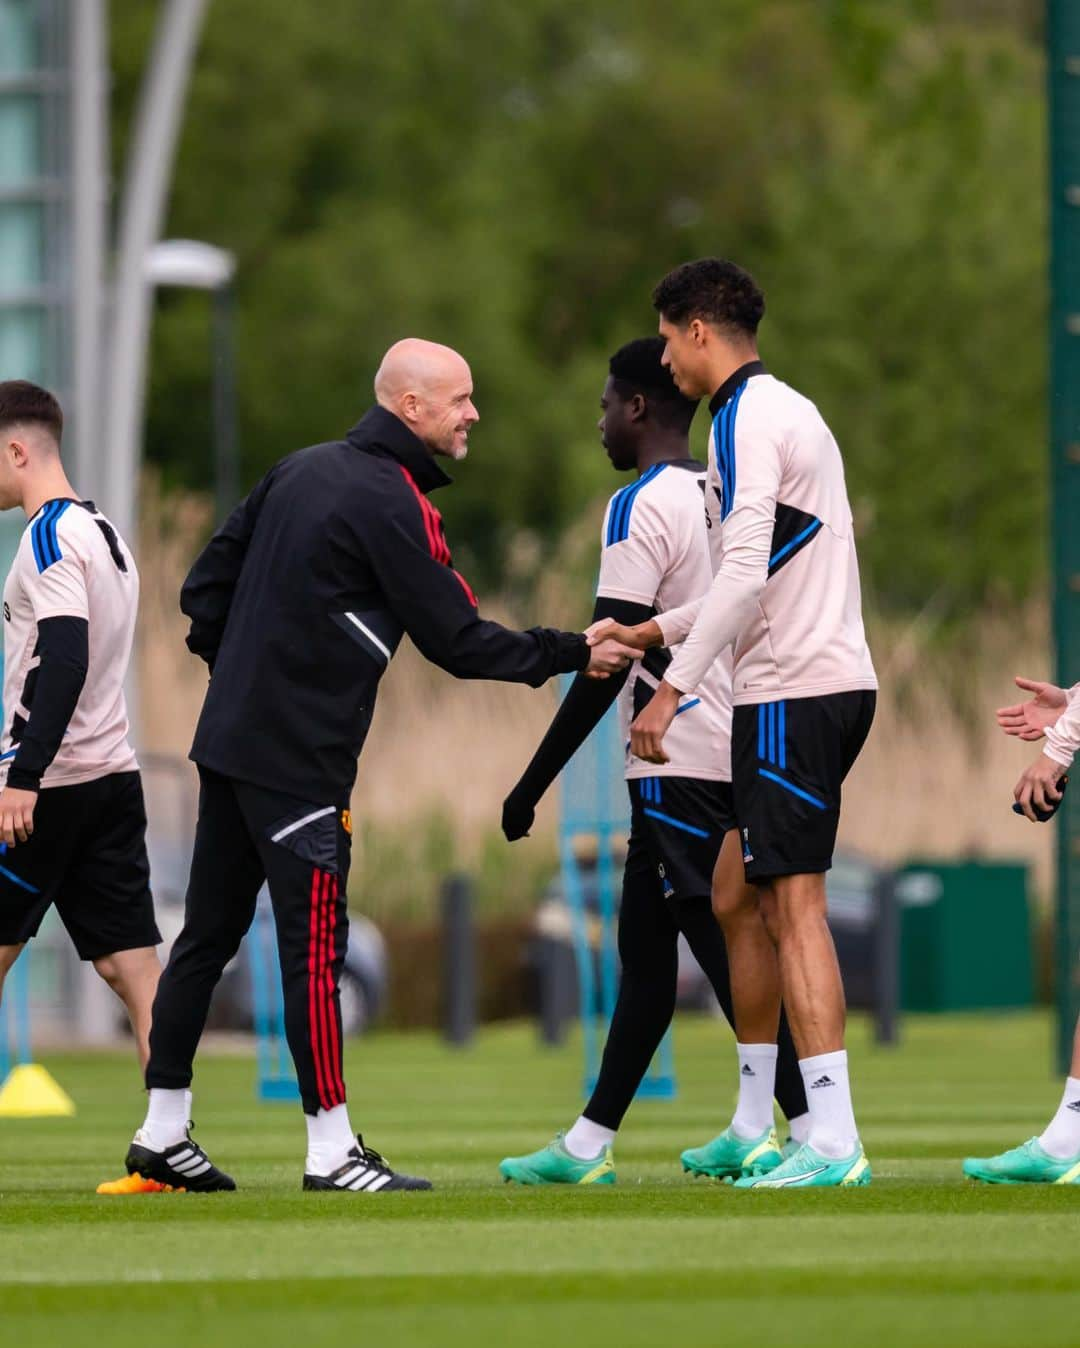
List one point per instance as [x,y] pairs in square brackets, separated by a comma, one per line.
[772,732]
[781,732]
[761,730]
[803,537]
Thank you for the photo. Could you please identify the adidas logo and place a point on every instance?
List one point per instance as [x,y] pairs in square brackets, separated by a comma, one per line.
[822,1081]
[748,1071]
[1074,1105]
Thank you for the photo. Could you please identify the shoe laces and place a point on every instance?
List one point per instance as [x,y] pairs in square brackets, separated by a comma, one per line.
[370,1154]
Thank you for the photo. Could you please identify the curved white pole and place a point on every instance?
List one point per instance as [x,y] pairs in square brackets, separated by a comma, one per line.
[149,174]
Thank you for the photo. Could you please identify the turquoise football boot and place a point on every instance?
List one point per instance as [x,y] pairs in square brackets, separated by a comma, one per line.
[1027,1164]
[730,1156]
[808,1169]
[553,1164]
[789,1148]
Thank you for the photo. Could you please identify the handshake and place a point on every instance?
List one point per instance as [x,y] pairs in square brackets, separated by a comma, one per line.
[613,646]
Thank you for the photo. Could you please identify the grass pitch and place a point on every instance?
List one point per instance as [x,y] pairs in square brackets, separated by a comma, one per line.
[920,1257]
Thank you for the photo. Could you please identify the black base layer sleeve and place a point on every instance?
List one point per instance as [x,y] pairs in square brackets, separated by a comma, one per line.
[580,713]
[63,645]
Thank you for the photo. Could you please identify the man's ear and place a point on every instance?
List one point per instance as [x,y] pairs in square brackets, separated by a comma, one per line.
[17,452]
[699,331]
[637,407]
[410,406]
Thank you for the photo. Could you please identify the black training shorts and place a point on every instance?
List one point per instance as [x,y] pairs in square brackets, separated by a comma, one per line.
[680,822]
[789,760]
[87,854]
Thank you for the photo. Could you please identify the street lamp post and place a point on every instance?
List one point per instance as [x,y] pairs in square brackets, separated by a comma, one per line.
[193,265]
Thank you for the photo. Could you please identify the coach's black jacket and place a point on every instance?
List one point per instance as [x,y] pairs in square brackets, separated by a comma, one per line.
[298,602]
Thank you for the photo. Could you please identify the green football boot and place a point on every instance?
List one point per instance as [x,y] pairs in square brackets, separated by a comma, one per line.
[789,1148]
[808,1169]
[553,1164]
[730,1156]
[1027,1164]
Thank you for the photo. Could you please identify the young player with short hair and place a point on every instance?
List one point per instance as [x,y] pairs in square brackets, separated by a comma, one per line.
[72,820]
[655,556]
[785,595]
[1054,1156]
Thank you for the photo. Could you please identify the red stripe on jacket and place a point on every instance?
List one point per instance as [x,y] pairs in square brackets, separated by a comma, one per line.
[436,534]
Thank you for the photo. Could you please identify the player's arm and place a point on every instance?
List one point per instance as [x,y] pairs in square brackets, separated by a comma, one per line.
[632,570]
[207,593]
[730,601]
[61,610]
[405,544]
[1063,737]
[581,711]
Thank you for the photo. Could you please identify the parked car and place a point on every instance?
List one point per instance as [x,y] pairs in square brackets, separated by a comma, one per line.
[851,886]
[363,979]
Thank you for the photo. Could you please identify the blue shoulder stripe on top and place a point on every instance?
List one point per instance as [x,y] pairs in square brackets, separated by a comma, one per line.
[43,538]
[39,536]
[724,438]
[623,503]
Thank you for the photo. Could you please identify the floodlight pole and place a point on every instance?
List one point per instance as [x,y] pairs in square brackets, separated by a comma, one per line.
[1063,78]
[194,265]
[157,125]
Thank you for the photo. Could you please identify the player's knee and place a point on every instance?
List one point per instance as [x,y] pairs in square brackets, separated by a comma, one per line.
[109,969]
[8,955]
[731,902]
[770,913]
[799,902]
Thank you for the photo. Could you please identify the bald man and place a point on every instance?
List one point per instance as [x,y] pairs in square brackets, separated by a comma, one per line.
[297,605]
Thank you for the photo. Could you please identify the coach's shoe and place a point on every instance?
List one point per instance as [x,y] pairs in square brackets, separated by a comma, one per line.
[184,1166]
[808,1169]
[1026,1164]
[730,1156]
[553,1164]
[364,1171]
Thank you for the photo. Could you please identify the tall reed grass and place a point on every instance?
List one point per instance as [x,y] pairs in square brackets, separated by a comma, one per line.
[935,779]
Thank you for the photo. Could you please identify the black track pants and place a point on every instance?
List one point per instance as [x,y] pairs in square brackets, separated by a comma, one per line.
[247,835]
[649,927]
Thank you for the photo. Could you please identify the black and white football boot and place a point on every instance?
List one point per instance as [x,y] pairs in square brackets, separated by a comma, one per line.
[184,1165]
[364,1171]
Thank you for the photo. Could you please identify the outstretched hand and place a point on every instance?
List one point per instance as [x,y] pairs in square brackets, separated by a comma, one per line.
[607,657]
[640,638]
[1029,720]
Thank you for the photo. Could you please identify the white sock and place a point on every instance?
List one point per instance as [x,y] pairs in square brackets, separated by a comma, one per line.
[167,1116]
[1062,1137]
[586,1140]
[832,1120]
[799,1127]
[329,1139]
[757,1082]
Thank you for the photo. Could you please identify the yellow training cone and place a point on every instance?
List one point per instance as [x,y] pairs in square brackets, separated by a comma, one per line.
[31,1093]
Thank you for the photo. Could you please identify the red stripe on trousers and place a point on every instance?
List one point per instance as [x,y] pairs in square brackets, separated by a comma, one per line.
[335,1042]
[313,960]
[323,1002]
